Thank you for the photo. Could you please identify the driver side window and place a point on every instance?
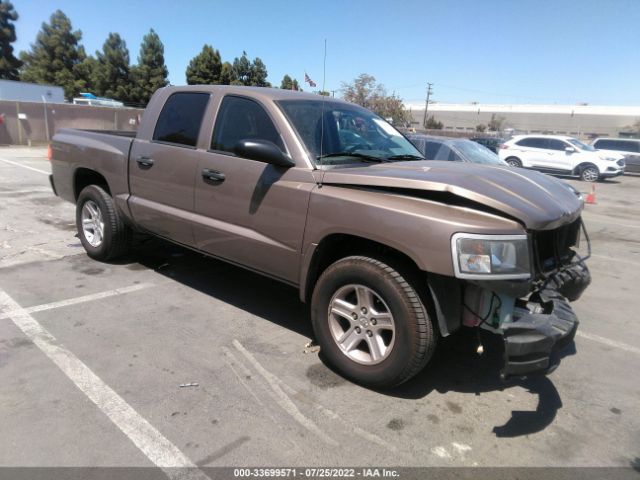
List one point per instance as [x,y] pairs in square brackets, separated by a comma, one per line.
[242,119]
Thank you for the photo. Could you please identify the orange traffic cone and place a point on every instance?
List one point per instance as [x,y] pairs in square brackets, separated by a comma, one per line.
[591,197]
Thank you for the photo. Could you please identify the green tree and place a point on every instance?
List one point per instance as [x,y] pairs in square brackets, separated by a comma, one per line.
[205,68]
[112,77]
[84,73]
[243,70]
[365,91]
[433,124]
[496,123]
[227,74]
[54,56]
[9,64]
[480,128]
[289,83]
[150,73]
[259,73]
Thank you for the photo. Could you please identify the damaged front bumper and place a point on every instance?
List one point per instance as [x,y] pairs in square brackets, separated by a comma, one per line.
[543,325]
[534,329]
[537,333]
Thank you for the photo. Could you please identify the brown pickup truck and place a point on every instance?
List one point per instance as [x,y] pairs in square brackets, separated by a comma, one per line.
[391,250]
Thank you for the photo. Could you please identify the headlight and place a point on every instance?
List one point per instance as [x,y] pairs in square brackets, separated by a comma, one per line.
[490,257]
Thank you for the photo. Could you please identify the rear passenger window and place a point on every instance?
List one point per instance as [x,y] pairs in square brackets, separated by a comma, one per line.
[180,119]
[533,142]
[242,119]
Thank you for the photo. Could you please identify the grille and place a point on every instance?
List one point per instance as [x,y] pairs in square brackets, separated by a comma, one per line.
[553,248]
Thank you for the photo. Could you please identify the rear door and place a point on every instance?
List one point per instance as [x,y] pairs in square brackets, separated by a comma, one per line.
[162,170]
[532,151]
[250,212]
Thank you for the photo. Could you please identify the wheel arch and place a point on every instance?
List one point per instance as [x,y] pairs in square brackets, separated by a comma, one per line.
[441,294]
[83,177]
[581,166]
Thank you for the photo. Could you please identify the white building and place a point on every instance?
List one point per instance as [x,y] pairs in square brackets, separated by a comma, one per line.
[30,92]
[575,120]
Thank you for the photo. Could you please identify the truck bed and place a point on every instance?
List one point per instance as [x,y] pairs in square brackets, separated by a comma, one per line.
[103,151]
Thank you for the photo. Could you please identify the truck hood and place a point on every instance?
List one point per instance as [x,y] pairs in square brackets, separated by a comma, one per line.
[538,201]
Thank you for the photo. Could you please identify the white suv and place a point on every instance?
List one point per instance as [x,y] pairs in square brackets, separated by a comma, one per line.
[561,155]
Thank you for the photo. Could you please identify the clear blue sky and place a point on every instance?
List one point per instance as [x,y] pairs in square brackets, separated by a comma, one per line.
[500,51]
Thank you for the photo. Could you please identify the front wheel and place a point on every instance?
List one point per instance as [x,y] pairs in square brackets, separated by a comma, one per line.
[102,232]
[371,323]
[590,174]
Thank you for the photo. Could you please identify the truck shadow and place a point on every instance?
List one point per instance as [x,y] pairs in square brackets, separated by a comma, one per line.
[455,366]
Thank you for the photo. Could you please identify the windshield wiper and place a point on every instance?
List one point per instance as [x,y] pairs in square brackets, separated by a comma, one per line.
[405,157]
[362,156]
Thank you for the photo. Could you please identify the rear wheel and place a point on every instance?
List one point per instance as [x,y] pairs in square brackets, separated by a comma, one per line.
[371,323]
[514,162]
[102,232]
[590,174]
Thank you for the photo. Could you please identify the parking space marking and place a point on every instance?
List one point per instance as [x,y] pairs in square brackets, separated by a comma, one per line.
[77,300]
[156,447]
[606,341]
[605,257]
[30,191]
[608,222]
[24,166]
[281,397]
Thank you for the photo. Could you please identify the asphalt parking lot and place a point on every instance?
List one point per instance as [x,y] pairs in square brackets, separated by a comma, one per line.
[93,356]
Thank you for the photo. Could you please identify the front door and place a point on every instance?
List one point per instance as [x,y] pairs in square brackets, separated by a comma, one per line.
[250,212]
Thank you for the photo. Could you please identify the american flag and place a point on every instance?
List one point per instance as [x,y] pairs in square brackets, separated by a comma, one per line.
[308,80]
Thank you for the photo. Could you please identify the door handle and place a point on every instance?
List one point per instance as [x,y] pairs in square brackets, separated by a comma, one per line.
[213,175]
[145,161]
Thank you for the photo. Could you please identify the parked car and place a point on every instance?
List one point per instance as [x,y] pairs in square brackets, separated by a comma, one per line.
[454,149]
[629,147]
[391,251]
[492,143]
[561,155]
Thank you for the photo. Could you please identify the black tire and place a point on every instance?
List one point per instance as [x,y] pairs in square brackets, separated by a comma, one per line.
[589,173]
[414,338]
[116,236]
[514,161]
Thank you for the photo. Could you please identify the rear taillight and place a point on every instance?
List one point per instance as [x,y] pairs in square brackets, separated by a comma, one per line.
[49,153]
[504,146]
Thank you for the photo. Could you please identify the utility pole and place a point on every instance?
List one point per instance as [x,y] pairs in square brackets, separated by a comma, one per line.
[426,104]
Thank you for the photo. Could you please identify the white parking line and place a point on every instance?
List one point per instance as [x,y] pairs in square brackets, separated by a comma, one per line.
[606,341]
[147,438]
[77,300]
[24,166]
[621,260]
[609,222]
[282,398]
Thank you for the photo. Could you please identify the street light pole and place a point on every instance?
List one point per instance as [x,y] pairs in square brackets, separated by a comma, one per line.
[46,120]
[426,104]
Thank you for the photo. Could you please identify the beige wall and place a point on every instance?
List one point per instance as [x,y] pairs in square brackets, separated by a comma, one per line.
[33,128]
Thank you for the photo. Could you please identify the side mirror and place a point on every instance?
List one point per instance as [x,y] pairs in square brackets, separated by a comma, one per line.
[263,151]
[570,150]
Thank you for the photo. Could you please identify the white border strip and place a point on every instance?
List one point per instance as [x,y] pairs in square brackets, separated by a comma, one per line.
[24,166]
[147,438]
[77,300]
